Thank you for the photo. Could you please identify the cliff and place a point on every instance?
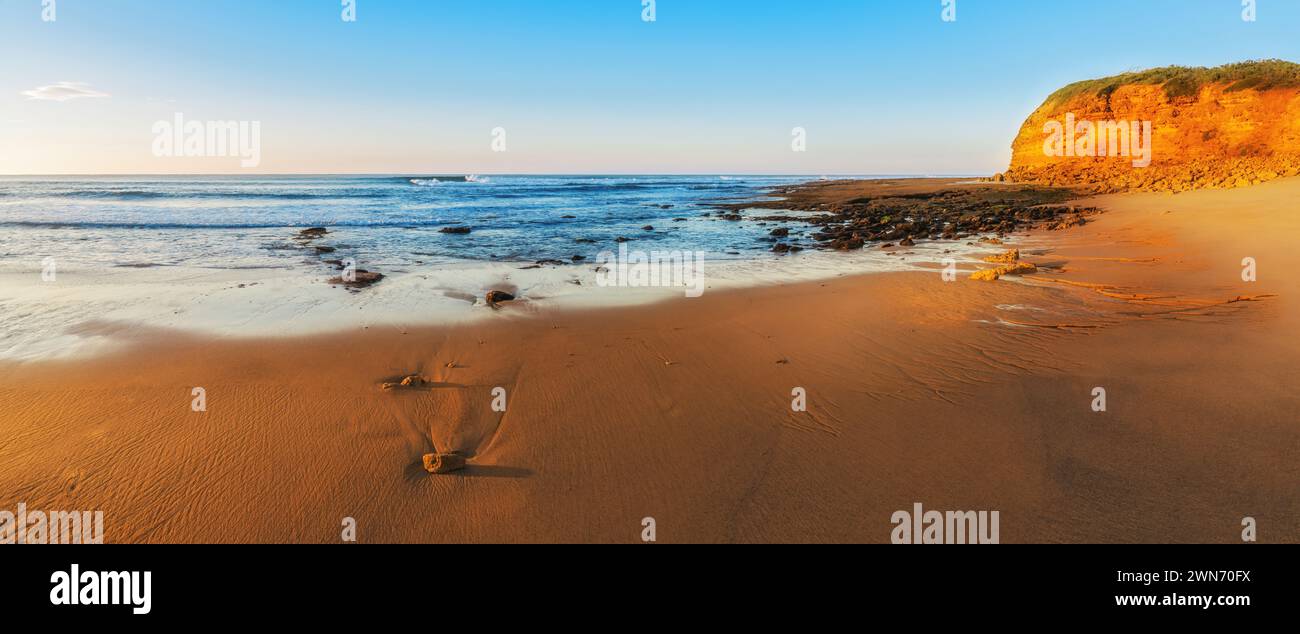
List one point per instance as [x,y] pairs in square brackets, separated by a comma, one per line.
[1166,129]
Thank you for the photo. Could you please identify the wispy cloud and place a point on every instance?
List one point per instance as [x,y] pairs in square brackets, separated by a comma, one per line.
[64,91]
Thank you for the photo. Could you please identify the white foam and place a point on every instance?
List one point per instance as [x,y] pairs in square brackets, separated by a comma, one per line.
[88,310]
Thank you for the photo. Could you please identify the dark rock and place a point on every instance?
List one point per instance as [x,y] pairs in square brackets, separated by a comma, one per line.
[496,297]
[312,233]
[456,230]
[362,279]
[905,218]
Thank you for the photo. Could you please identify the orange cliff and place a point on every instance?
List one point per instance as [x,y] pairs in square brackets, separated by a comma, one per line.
[1224,127]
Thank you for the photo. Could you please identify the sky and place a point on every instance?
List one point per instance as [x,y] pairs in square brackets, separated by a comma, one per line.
[580,86]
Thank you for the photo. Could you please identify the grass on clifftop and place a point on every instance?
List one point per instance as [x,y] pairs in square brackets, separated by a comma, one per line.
[1184,81]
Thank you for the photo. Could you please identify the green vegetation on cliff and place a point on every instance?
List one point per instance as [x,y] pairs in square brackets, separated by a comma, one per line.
[1185,81]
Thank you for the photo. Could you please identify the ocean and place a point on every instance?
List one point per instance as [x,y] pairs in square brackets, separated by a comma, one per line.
[246,222]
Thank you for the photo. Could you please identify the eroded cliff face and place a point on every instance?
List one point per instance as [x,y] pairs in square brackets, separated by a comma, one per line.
[1214,138]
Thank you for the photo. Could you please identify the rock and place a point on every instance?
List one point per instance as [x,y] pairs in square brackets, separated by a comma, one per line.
[621,240]
[1020,268]
[781,247]
[550,262]
[1010,256]
[456,230]
[496,297]
[312,233]
[442,463]
[910,217]
[361,279]
[413,380]
[324,250]
[780,233]
[648,228]
[578,258]
[568,217]
[992,275]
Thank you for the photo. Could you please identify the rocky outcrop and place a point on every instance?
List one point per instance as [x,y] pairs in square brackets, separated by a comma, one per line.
[851,215]
[1224,127]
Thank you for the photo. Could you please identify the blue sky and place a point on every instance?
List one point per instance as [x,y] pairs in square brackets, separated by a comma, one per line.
[712,86]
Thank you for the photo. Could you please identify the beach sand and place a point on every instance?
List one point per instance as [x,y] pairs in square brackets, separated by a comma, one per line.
[958,395]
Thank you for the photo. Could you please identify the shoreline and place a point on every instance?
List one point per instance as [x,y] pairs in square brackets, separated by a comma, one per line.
[959,395]
[305,297]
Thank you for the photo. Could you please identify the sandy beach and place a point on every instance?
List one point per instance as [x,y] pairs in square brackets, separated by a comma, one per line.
[960,395]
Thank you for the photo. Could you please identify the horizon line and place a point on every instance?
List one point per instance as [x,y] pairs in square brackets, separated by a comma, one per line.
[436,174]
